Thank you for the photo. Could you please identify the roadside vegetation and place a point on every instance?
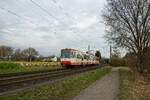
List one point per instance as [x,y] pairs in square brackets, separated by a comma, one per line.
[62,90]
[133,86]
[128,27]
[7,67]
[116,59]
[117,62]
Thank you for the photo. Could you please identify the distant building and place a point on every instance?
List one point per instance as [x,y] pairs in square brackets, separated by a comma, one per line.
[50,59]
[54,59]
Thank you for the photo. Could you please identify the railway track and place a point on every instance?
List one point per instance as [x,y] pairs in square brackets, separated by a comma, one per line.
[15,82]
[26,73]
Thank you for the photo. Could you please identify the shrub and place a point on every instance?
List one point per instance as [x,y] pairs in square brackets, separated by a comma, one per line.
[118,62]
[132,61]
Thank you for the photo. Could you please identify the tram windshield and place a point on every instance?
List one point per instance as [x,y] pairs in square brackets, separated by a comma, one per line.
[66,54]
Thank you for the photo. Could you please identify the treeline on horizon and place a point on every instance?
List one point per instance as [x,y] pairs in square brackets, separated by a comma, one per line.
[8,53]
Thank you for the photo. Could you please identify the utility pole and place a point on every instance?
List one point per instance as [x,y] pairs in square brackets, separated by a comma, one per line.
[88,48]
[110,53]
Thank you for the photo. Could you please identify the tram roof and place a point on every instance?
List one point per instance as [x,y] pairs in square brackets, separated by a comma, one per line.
[70,49]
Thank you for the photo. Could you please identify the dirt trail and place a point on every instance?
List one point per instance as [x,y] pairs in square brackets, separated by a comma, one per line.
[104,89]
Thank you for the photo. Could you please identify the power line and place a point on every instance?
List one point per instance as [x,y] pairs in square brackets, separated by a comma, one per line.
[32,10]
[47,12]
[15,14]
[62,9]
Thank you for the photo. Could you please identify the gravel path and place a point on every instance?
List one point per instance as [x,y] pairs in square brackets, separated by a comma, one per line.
[103,89]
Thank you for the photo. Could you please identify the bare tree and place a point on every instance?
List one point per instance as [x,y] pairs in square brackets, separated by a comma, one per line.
[30,53]
[128,22]
[18,55]
[116,53]
[6,52]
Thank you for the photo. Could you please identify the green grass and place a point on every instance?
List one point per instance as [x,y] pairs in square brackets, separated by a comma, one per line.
[16,67]
[9,67]
[125,77]
[62,90]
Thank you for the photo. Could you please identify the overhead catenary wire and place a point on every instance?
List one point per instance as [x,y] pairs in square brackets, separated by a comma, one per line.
[62,9]
[32,10]
[47,12]
[51,15]
[15,14]
[65,13]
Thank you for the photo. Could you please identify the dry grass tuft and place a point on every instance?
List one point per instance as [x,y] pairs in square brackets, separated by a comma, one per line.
[133,86]
[141,88]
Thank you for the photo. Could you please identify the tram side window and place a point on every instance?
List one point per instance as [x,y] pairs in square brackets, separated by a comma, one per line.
[73,54]
[86,57]
[91,57]
[79,56]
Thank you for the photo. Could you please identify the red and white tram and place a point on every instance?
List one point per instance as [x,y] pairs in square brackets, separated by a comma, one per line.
[73,58]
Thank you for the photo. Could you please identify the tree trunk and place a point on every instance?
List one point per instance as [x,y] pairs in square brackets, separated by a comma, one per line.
[30,58]
[140,60]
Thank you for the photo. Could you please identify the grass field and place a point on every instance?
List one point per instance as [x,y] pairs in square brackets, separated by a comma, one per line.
[62,90]
[15,67]
[133,87]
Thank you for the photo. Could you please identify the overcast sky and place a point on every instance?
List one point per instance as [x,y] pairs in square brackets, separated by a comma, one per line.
[50,25]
